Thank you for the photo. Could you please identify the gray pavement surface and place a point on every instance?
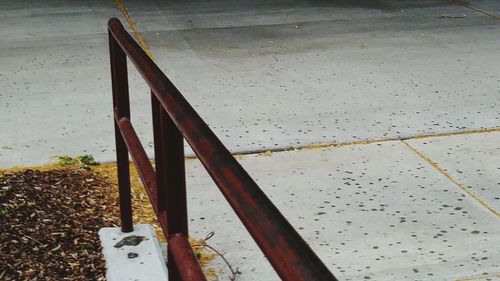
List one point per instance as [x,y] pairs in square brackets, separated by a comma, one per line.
[321,71]
[265,74]
[376,211]
[280,74]
[55,82]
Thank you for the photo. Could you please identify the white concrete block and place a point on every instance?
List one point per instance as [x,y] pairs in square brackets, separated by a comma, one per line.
[143,261]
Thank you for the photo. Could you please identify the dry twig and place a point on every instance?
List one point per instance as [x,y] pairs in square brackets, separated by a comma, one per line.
[203,244]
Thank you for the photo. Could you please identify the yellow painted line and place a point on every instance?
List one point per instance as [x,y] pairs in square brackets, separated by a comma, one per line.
[482,11]
[472,132]
[479,277]
[469,6]
[456,182]
[133,26]
[348,143]
[267,152]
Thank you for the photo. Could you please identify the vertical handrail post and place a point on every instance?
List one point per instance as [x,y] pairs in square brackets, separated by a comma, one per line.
[175,178]
[175,185]
[121,108]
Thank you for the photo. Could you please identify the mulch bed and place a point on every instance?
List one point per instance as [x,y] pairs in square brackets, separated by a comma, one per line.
[49,222]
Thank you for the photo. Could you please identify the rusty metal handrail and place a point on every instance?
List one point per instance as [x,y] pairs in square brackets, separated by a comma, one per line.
[174,120]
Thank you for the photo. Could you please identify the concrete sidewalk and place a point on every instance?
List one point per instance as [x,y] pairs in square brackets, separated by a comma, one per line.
[265,75]
[377,211]
[274,75]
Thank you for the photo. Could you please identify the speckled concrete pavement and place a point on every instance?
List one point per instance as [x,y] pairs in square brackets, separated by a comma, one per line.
[377,211]
[265,74]
[272,75]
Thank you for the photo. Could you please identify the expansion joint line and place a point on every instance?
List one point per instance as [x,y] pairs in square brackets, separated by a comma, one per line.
[133,26]
[480,277]
[469,6]
[267,151]
[456,182]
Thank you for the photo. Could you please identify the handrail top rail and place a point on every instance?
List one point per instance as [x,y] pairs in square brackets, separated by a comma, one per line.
[288,253]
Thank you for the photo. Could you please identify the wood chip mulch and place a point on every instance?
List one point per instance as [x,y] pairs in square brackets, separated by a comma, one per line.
[49,222]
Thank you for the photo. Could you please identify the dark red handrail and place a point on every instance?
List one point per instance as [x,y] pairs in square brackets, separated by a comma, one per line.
[174,120]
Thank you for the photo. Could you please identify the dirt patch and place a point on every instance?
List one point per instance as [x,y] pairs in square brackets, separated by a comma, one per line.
[50,221]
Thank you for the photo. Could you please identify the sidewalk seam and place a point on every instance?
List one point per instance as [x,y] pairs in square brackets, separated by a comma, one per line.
[456,182]
[361,142]
[479,277]
[469,6]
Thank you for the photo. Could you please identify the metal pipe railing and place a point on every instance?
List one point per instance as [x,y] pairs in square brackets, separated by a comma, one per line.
[174,120]
[182,254]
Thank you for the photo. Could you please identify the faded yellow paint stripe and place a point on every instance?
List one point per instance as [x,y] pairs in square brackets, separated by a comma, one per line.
[456,182]
[138,35]
[479,277]
[338,144]
[469,6]
[482,11]
[472,132]
[363,142]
